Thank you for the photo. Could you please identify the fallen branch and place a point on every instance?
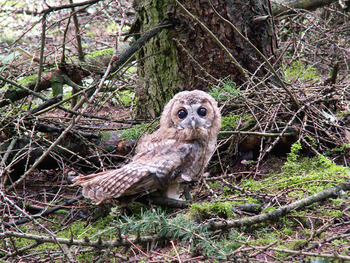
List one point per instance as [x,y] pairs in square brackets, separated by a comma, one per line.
[265,134]
[18,92]
[332,255]
[121,241]
[46,104]
[211,225]
[287,6]
[282,211]
[45,213]
[139,43]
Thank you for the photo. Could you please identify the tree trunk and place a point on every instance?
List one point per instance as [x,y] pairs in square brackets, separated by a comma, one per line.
[187,57]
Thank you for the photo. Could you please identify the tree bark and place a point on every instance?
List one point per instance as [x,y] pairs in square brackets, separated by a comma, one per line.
[189,58]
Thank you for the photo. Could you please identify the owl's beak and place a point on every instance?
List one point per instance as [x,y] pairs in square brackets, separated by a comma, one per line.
[193,123]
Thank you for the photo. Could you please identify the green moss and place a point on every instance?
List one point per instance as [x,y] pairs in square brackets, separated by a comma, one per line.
[288,231]
[137,131]
[252,200]
[56,84]
[28,80]
[225,188]
[281,255]
[343,113]
[299,71]
[309,174]
[264,239]
[345,148]
[230,122]
[214,184]
[294,152]
[208,210]
[99,53]
[340,242]
[269,209]
[298,244]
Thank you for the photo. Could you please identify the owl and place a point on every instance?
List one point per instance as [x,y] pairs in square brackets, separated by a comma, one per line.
[175,154]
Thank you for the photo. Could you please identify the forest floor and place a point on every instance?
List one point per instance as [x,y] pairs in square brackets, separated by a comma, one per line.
[290,195]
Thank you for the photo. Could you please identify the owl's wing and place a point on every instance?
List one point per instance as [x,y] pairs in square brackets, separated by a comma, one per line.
[147,172]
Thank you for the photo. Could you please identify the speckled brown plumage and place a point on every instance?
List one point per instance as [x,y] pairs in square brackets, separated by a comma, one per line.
[176,153]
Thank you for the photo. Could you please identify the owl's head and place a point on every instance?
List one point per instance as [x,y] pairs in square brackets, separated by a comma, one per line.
[192,113]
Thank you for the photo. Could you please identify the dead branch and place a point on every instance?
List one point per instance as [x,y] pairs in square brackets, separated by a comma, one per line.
[212,225]
[18,92]
[45,213]
[282,211]
[69,6]
[282,6]
[46,104]
[332,255]
[100,244]
[123,58]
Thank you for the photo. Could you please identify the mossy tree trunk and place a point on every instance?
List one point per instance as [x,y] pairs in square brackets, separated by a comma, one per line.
[186,57]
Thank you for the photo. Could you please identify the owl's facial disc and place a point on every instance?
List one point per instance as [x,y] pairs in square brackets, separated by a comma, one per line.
[192,116]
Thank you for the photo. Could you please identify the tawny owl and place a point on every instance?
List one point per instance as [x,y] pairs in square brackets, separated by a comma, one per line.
[175,154]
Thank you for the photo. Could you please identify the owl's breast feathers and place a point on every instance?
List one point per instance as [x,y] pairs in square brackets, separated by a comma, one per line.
[164,163]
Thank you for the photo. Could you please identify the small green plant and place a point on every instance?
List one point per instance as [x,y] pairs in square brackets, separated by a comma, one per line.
[157,222]
[292,163]
[344,148]
[226,92]
[126,97]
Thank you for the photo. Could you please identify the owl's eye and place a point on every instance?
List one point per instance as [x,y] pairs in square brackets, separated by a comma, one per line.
[182,114]
[202,112]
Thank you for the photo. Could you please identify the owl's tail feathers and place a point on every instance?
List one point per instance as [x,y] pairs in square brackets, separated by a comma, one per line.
[92,186]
